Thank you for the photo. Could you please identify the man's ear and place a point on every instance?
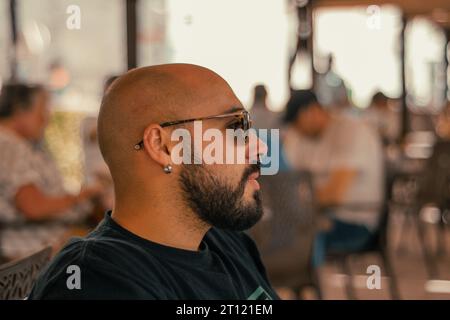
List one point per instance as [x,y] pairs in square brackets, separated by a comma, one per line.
[155,144]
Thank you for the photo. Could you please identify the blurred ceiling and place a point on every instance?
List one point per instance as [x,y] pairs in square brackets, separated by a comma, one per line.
[436,10]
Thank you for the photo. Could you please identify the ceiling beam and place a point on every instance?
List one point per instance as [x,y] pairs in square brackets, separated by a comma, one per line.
[409,7]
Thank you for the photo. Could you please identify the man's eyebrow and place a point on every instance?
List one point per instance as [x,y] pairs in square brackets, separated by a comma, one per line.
[234,109]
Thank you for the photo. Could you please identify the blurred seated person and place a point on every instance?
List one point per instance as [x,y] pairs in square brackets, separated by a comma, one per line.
[263,117]
[331,88]
[346,160]
[383,117]
[96,170]
[435,177]
[443,123]
[32,197]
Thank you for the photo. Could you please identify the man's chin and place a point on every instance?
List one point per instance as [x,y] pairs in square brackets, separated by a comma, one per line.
[254,211]
[247,219]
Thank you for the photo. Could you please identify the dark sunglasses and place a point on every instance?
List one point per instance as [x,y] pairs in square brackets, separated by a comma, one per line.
[243,122]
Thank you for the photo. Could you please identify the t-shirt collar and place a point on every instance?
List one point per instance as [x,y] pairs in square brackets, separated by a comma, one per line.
[201,256]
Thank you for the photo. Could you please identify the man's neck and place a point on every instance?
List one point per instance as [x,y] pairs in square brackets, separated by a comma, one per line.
[166,224]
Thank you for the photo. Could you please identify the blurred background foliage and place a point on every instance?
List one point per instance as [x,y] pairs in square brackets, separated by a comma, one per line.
[63,140]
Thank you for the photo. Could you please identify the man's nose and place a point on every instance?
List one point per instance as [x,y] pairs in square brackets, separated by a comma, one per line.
[262,147]
[258,149]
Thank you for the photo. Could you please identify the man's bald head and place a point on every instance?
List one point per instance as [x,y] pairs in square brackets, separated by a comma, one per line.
[153,95]
[194,196]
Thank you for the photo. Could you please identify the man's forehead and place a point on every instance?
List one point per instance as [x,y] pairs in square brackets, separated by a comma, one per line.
[212,107]
[191,92]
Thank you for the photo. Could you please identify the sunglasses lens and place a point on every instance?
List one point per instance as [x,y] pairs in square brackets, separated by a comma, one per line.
[246,122]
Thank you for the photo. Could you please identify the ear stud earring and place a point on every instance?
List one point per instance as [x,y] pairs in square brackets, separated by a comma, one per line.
[168,169]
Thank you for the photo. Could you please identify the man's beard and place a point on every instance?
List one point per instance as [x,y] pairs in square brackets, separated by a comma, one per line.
[215,202]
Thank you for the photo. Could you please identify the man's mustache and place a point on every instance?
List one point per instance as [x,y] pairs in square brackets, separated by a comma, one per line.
[250,170]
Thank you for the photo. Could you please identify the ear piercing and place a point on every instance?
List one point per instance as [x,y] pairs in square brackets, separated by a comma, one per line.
[168,169]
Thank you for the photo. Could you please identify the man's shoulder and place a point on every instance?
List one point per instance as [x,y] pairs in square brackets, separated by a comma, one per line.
[77,253]
[104,247]
[103,265]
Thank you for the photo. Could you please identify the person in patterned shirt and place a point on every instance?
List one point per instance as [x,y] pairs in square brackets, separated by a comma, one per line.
[34,207]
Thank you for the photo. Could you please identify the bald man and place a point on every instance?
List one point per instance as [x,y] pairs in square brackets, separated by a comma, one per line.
[175,230]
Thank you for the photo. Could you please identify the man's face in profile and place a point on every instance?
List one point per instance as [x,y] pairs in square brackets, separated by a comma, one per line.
[224,195]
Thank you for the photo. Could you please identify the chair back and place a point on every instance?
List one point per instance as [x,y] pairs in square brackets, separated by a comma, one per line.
[434,184]
[17,277]
[285,234]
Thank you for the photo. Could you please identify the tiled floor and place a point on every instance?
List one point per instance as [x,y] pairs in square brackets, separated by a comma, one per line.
[409,267]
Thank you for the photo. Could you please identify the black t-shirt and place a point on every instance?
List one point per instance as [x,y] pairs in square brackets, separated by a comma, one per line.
[113,263]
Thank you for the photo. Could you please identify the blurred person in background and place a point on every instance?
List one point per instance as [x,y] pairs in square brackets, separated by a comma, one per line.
[434,180]
[345,157]
[443,123]
[263,117]
[330,88]
[32,196]
[383,117]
